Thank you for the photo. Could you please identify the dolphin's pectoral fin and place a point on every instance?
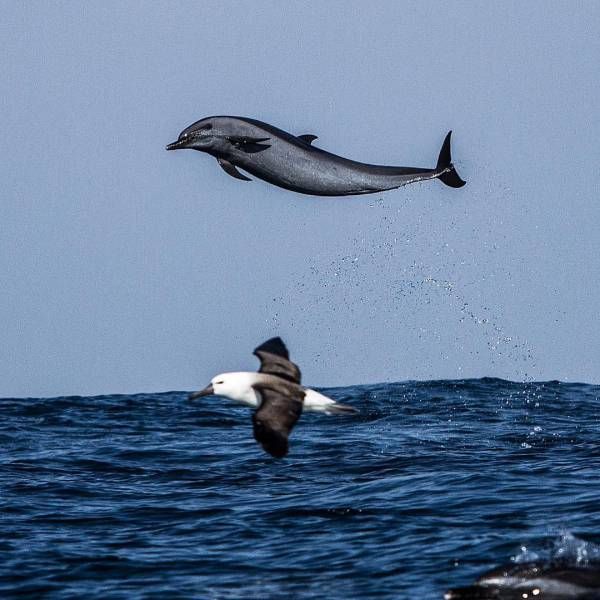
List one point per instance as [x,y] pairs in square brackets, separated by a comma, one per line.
[231,170]
[249,144]
[309,138]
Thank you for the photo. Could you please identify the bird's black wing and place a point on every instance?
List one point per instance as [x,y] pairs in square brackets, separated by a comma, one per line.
[280,408]
[275,360]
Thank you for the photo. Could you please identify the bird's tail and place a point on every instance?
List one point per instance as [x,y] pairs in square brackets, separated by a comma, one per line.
[341,409]
[445,168]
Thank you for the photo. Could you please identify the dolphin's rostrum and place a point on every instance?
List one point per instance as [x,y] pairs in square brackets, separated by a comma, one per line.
[293,163]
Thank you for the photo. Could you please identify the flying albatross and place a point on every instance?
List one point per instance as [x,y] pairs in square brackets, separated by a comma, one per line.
[276,393]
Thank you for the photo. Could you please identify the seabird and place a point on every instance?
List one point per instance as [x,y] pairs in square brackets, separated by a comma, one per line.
[276,393]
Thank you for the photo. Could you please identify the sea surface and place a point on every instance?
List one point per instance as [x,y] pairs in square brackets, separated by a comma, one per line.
[154,496]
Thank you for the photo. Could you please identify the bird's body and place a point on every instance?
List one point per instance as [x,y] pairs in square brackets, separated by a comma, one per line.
[293,163]
[240,387]
[276,394]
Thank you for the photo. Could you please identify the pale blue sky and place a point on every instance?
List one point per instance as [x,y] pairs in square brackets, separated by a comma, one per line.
[126,268]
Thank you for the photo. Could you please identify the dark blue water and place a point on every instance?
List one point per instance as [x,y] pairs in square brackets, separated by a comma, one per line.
[152,496]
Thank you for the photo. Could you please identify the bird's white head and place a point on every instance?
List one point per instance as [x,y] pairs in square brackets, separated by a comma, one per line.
[235,386]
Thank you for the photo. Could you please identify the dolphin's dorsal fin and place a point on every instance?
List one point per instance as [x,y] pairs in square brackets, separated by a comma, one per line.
[309,138]
[231,170]
[249,144]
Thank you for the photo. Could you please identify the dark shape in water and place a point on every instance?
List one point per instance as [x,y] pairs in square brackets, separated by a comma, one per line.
[293,163]
[532,580]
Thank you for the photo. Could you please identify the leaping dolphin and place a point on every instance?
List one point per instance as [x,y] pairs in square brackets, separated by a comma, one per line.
[293,163]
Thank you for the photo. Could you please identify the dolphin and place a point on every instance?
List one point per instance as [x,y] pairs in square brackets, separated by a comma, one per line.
[554,581]
[294,163]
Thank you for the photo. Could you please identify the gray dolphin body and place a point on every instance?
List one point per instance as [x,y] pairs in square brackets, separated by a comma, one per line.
[533,580]
[293,163]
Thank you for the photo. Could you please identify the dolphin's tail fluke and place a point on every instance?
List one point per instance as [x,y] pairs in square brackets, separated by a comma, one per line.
[445,168]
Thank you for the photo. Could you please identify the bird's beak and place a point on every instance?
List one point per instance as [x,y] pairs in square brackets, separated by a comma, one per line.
[207,391]
[177,144]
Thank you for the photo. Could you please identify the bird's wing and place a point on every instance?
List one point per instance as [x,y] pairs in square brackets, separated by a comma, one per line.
[280,408]
[275,360]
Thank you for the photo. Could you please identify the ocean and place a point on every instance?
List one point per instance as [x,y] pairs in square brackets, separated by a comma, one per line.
[155,496]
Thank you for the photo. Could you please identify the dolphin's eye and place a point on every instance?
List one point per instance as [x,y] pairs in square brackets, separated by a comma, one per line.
[219,382]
